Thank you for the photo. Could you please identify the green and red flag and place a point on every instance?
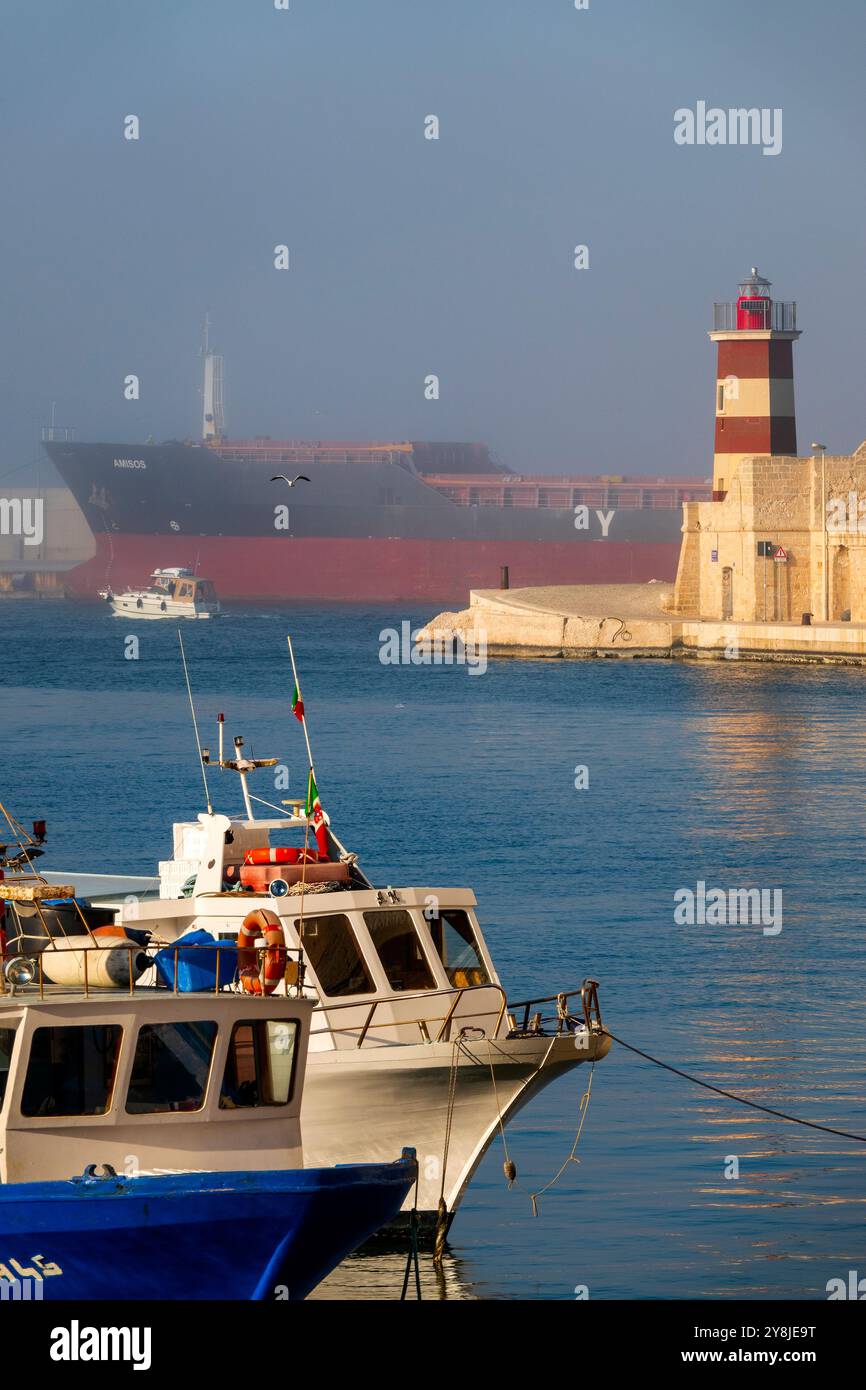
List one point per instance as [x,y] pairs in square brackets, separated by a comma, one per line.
[316,815]
[314,805]
[297,704]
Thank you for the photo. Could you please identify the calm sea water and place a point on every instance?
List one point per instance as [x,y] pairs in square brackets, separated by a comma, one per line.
[737,776]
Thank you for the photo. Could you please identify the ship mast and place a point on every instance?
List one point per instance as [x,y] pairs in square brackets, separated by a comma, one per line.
[213,413]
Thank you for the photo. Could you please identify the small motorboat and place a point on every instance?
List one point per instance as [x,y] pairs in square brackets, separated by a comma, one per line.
[171,593]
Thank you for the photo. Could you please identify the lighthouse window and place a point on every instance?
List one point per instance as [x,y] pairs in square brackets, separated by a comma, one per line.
[171,1067]
[456,947]
[400,949]
[71,1070]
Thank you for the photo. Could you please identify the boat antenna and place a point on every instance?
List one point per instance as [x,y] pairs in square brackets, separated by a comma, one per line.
[299,706]
[301,702]
[195,725]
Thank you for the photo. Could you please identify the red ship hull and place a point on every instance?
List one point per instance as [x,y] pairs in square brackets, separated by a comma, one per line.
[263,569]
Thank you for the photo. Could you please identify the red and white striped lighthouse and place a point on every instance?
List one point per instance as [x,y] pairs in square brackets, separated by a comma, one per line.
[754,378]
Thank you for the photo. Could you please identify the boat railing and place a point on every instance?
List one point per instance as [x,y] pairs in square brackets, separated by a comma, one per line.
[564,1017]
[425,1024]
[28,974]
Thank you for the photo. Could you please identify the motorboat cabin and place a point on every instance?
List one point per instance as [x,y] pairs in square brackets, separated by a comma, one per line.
[167,1081]
[384,965]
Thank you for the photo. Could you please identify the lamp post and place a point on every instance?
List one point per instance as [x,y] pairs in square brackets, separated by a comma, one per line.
[823,448]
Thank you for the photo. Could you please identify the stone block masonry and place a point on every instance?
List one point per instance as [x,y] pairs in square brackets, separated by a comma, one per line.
[807,508]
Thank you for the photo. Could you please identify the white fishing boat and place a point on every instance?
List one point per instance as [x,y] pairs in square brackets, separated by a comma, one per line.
[413,1038]
[171,593]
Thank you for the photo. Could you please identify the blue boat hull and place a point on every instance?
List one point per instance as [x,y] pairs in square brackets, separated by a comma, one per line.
[268,1235]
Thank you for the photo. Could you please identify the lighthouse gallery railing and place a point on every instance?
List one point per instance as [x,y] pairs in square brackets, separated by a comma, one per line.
[780,316]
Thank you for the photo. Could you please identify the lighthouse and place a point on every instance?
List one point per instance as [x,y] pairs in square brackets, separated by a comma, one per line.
[754,379]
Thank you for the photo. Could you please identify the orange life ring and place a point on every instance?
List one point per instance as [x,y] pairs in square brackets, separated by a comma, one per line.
[281,855]
[262,979]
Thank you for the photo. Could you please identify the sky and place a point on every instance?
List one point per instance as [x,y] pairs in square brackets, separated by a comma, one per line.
[410,257]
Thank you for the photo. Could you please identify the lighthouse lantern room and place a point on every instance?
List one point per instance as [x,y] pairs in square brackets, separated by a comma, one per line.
[753,302]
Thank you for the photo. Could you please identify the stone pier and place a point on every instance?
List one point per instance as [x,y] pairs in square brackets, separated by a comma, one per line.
[632,621]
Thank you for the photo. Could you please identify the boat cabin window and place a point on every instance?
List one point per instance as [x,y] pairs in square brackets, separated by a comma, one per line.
[171,1067]
[162,583]
[205,593]
[400,949]
[456,947]
[332,950]
[185,590]
[260,1063]
[71,1071]
[7,1042]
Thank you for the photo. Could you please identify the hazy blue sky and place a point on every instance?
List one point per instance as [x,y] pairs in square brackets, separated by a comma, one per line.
[412,256]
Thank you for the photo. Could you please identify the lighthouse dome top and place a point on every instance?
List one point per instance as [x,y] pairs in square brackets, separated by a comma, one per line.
[755,283]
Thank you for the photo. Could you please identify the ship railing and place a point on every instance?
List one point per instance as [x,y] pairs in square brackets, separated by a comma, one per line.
[23,973]
[426,1023]
[623,498]
[526,1017]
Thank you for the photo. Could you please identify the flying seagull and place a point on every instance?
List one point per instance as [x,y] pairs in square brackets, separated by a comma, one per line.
[281,477]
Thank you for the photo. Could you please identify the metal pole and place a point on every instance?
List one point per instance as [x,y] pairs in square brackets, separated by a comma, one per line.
[246,792]
[824,529]
[300,697]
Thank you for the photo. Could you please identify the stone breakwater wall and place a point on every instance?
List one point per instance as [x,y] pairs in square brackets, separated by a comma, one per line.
[631,621]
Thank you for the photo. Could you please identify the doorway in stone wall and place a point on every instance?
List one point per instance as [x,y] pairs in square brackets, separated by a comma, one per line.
[727,592]
[841,595]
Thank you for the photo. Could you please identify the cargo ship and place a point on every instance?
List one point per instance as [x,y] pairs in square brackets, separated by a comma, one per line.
[367,521]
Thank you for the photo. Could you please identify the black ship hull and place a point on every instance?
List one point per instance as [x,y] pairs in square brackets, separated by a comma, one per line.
[371,531]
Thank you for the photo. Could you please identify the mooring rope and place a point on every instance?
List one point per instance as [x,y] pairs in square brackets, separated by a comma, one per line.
[509,1168]
[412,1257]
[572,1157]
[731,1095]
[442,1210]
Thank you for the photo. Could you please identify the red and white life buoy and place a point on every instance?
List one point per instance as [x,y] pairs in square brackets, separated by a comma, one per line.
[264,978]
